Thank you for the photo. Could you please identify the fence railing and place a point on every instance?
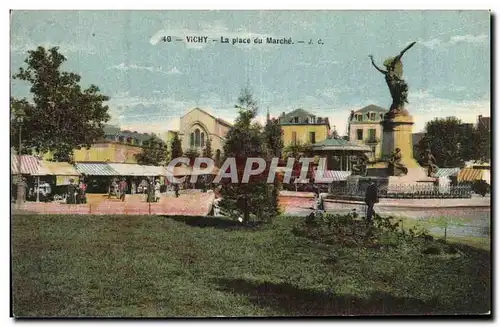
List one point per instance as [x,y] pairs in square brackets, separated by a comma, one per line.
[406,191]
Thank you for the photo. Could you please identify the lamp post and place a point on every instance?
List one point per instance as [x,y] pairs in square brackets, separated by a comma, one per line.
[20,184]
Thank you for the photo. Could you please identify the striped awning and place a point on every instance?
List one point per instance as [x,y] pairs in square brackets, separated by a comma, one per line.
[130,169]
[29,164]
[446,172]
[56,169]
[337,175]
[96,169]
[470,175]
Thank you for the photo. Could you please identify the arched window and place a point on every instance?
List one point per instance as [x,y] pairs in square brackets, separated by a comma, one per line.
[191,140]
[197,141]
[202,139]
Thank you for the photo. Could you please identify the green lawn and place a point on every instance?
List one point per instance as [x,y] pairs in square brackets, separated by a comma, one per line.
[158,266]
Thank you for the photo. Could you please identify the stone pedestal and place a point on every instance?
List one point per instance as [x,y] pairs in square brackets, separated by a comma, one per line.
[397,133]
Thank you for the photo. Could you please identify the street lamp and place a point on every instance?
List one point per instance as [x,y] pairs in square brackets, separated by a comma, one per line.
[20,186]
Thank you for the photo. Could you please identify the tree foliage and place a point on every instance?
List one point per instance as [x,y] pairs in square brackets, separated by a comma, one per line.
[154,153]
[273,138]
[452,142]
[245,139]
[207,150]
[63,115]
[297,150]
[192,154]
[175,147]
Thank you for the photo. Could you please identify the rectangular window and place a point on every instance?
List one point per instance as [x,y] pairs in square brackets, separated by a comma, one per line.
[371,133]
[372,116]
[294,137]
[296,120]
[359,133]
[312,137]
[191,139]
[359,117]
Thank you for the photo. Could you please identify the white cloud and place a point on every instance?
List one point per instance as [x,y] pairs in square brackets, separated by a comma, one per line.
[125,67]
[434,43]
[474,39]
[425,106]
[174,71]
[23,45]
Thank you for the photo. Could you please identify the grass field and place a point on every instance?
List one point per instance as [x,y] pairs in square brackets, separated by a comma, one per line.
[138,266]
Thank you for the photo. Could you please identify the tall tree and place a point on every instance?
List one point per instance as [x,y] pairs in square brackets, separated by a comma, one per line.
[245,140]
[218,158]
[175,147]
[450,141]
[273,137]
[207,150]
[192,154]
[482,143]
[63,116]
[154,153]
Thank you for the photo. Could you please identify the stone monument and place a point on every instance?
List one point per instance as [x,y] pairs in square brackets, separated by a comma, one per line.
[398,166]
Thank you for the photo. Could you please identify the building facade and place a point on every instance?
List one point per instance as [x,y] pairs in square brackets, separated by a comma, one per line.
[197,126]
[302,127]
[365,129]
[117,146]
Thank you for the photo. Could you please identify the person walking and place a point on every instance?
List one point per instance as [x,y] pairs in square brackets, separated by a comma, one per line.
[123,189]
[371,197]
[176,189]
[157,191]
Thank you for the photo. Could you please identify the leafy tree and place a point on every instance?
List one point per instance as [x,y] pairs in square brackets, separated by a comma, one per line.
[482,143]
[207,151]
[154,153]
[18,111]
[192,154]
[175,147]
[63,116]
[217,158]
[296,150]
[273,137]
[244,140]
[451,142]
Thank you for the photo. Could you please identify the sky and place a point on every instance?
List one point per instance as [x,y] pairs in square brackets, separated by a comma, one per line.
[152,83]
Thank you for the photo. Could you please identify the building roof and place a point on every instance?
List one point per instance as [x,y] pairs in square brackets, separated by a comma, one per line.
[339,144]
[219,120]
[371,108]
[29,164]
[114,130]
[303,115]
[95,169]
[56,169]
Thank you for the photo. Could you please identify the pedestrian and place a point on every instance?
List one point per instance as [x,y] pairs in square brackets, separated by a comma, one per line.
[157,191]
[176,189]
[371,197]
[150,190]
[122,189]
[71,199]
[83,191]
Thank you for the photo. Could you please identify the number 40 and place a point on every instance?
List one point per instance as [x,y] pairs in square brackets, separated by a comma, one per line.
[166,39]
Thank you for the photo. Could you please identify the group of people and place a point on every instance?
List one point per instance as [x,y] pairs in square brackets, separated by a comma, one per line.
[77,193]
[151,188]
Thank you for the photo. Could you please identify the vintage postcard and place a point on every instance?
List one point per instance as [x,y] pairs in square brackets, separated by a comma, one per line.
[250,163]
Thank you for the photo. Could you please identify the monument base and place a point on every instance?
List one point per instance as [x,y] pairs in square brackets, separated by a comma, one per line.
[415,181]
[397,133]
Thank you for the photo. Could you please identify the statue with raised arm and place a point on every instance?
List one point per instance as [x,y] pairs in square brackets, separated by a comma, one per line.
[397,86]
